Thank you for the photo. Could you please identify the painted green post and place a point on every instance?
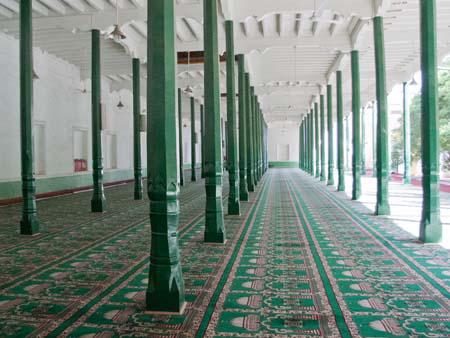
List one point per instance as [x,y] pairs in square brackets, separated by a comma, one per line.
[138,190]
[406,136]
[330,135]
[382,206]
[165,292]
[193,143]
[253,124]
[311,142]
[340,132]
[374,140]
[202,138]
[300,145]
[29,224]
[363,141]
[243,189]
[347,143]
[233,170]
[214,223]
[307,143]
[180,136]
[322,139]
[430,225]
[317,138]
[250,170]
[98,201]
[356,119]
[258,139]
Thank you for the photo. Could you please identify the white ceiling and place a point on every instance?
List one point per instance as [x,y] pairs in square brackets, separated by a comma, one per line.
[293,47]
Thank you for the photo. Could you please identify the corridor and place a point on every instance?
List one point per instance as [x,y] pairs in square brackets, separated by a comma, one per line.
[301,260]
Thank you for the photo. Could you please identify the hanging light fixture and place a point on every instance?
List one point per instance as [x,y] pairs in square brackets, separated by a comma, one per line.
[120,104]
[189,90]
[413,82]
[116,33]
[35,76]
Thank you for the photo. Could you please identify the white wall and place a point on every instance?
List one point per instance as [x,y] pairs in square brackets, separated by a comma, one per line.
[60,107]
[281,135]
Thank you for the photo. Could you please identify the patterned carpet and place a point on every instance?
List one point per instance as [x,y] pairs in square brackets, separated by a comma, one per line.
[300,261]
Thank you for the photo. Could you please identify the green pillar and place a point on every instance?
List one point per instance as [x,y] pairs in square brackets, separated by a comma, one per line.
[307,143]
[300,146]
[165,291]
[243,189]
[98,201]
[202,138]
[356,119]
[363,141]
[330,135]
[214,224]
[311,142]
[258,139]
[317,138]
[340,132]
[322,139]
[29,224]
[382,206]
[193,143]
[430,225]
[138,190]
[406,136]
[233,169]
[180,136]
[250,169]
[374,140]
[347,143]
[255,152]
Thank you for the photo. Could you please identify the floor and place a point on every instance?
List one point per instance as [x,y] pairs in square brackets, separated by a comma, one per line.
[301,260]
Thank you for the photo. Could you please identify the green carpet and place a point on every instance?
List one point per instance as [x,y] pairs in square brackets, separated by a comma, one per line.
[299,261]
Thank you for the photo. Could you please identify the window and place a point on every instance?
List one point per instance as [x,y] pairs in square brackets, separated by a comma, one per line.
[80,149]
[39,148]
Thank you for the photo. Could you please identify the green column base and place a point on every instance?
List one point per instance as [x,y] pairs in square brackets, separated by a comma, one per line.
[234,208]
[165,292]
[251,187]
[29,225]
[382,209]
[431,229]
[138,190]
[406,180]
[330,181]
[214,237]
[243,196]
[214,223]
[341,187]
[98,204]
[322,178]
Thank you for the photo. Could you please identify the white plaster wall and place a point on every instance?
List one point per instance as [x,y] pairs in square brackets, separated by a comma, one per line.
[61,107]
[283,134]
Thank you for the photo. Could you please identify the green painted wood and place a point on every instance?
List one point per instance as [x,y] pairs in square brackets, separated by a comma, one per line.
[165,290]
[180,137]
[382,206]
[283,164]
[307,143]
[232,157]
[317,138]
[356,119]
[406,136]
[374,140]
[243,188]
[214,223]
[202,138]
[29,224]
[258,138]
[311,143]
[430,225]
[323,174]
[98,201]
[340,132]
[300,146]
[363,141]
[254,132]
[249,115]
[138,189]
[330,135]
[193,142]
